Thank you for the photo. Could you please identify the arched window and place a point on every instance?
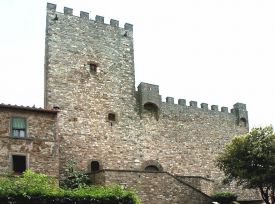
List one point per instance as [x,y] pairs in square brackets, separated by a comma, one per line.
[242,122]
[152,109]
[151,168]
[94,166]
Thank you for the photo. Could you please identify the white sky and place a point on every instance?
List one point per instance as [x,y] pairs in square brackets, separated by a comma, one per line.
[214,51]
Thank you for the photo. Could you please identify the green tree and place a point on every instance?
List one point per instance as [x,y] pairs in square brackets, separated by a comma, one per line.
[250,161]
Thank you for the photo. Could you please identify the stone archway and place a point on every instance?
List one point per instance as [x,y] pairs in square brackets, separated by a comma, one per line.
[152,166]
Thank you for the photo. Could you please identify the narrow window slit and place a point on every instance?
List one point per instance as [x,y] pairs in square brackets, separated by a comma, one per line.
[93,68]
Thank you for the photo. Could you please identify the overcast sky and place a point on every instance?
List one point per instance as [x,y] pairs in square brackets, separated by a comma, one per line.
[215,51]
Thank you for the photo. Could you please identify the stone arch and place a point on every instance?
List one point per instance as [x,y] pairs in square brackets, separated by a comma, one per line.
[152,166]
[242,122]
[152,108]
[94,165]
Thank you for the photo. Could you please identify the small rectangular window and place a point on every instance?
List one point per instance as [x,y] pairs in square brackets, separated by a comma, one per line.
[93,68]
[112,117]
[18,127]
[19,164]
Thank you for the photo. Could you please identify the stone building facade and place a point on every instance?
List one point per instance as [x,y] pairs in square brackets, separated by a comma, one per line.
[119,134]
[28,139]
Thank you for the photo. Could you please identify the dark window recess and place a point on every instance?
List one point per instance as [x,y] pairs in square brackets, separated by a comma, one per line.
[18,127]
[153,109]
[93,68]
[151,168]
[242,122]
[19,164]
[112,117]
[94,166]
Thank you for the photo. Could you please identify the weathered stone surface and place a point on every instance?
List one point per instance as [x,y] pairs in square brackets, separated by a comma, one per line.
[39,146]
[155,188]
[184,140]
[205,185]
[85,100]
[89,73]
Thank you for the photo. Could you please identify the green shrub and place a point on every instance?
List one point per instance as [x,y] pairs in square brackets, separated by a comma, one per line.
[29,184]
[73,177]
[7,186]
[37,184]
[33,184]
[224,197]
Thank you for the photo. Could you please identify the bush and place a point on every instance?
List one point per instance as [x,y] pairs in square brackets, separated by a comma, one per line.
[36,186]
[224,197]
[74,178]
[30,184]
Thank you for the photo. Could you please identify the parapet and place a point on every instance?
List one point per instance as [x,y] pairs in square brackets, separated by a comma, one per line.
[149,94]
[85,15]
[149,99]
[241,113]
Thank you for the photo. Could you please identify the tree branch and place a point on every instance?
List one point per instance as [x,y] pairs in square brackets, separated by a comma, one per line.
[263,194]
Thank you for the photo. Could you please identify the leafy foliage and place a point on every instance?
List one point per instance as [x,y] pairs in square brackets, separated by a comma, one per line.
[224,197]
[74,178]
[250,160]
[29,184]
[36,184]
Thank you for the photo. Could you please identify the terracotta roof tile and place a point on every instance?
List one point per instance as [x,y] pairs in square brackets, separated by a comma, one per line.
[33,108]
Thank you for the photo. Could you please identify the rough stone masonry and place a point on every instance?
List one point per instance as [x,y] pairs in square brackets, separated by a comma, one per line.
[117,133]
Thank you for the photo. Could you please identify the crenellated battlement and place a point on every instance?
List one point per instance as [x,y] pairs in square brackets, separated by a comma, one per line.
[85,15]
[95,115]
[149,94]
[205,106]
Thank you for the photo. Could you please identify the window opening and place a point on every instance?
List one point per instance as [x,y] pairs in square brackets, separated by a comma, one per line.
[151,168]
[242,122]
[19,164]
[94,166]
[93,68]
[153,109]
[18,127]
[112,117]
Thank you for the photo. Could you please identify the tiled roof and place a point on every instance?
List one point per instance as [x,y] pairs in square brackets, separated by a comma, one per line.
[9,106]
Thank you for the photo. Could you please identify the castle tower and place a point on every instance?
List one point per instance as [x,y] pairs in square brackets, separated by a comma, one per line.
[88,54]
[103,123]
[89,76]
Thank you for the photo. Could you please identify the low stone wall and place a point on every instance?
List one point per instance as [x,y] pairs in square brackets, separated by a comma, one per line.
[154,187]
[203,184]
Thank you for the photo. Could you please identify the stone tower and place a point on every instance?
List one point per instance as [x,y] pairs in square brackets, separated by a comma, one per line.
[123,135]
[89,75]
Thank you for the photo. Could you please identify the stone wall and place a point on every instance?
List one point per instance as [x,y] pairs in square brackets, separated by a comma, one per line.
[86,97]
[156,187]
[89,73]
[39,146]
[203,184]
